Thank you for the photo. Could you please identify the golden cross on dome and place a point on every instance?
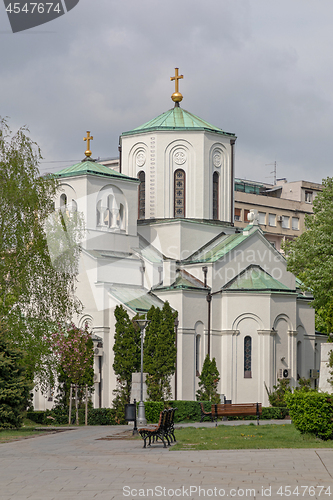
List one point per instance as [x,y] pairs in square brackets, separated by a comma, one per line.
[88,139]
[176,96]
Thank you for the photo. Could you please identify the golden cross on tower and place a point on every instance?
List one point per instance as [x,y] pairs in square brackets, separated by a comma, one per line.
[176,96]
[88,139]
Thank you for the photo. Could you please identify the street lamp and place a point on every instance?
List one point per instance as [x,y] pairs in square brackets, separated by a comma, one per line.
[176,323]
[142,323]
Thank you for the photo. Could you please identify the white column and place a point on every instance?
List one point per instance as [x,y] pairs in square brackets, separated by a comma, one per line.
[266,358]
[229,364]
[292,355]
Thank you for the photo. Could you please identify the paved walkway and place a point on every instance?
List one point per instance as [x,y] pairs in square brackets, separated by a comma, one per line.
[77,464]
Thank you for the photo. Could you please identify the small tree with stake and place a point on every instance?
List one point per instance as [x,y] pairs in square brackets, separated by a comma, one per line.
[73,348]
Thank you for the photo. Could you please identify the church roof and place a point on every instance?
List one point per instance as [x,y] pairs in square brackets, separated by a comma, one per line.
[135,297]
[217,248]
[177,118]
[254,278]
[184,281]
[93,168]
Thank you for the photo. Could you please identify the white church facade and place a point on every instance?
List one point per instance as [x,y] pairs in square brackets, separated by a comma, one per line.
[161,229]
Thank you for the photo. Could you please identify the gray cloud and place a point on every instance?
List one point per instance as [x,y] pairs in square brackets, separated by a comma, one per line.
[258,69]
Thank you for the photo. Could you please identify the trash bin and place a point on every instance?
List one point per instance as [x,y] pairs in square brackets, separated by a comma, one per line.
[130,412]
[130,415]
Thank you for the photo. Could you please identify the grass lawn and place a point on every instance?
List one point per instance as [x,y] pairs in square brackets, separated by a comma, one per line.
[28,430]
[251,436]
[17,434]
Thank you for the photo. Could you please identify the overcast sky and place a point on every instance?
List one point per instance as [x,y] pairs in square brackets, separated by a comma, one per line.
[260,69]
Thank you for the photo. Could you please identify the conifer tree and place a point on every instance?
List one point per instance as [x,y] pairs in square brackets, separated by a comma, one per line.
[208,381]
[14,387]
[126,350]
[160,352]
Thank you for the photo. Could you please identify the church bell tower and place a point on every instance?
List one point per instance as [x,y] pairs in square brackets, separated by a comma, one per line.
[185,165]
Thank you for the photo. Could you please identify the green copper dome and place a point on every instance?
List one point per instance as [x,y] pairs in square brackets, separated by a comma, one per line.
[176,119]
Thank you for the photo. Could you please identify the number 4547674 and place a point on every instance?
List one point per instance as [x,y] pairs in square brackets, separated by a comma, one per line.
[30,8]
[287,491]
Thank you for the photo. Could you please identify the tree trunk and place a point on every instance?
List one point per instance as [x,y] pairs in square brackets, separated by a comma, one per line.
[76,406]
[70,405]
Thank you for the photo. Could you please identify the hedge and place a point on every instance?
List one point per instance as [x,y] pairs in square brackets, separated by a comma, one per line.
[312,412]
[187,411]
[96,416]
[190,411]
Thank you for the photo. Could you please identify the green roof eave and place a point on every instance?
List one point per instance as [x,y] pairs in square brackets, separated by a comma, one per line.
[262,291]
[177,118]
[180,287]
[218,250]
[92,168]
[157,129]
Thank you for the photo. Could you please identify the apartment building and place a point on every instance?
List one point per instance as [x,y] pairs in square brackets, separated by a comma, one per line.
[281,207]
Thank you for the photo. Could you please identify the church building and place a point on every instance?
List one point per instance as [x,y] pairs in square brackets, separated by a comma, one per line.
[162,229]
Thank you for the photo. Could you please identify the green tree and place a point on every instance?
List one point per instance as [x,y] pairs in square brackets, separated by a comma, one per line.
[310,256]
[127,352]
[14,386]
[36,291]
[160,352]
[208,381]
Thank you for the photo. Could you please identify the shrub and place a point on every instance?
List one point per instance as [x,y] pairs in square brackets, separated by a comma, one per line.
[277,397]
[312,412]
[101,416]
[59,416]
[189,410]
[152,410]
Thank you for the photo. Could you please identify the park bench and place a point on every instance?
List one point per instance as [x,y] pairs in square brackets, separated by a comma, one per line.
[164,430]
[205,413]
[231,410]
[236,410]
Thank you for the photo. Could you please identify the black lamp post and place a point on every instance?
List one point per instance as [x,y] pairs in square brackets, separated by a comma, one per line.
[142,323]
[176,323]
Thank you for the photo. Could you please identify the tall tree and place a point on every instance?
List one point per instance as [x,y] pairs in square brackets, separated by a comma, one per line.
[14,386]
[310,256]
[35,290]
[126,350]
[160,352]
[208,381]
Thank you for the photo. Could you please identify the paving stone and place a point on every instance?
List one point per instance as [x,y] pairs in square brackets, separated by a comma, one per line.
[77,464]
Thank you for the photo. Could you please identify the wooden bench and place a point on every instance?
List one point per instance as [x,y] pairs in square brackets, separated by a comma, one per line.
[236,410]
[205,413]
[164,430]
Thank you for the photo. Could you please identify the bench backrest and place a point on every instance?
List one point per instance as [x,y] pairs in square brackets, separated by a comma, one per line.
[239,408]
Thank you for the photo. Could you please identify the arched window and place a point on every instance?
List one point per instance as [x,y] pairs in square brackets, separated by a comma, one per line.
[247,357]
[197,355]
[215,196]
[63,201]
[142,196]
[99,213]
[120,219]
[179,190]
